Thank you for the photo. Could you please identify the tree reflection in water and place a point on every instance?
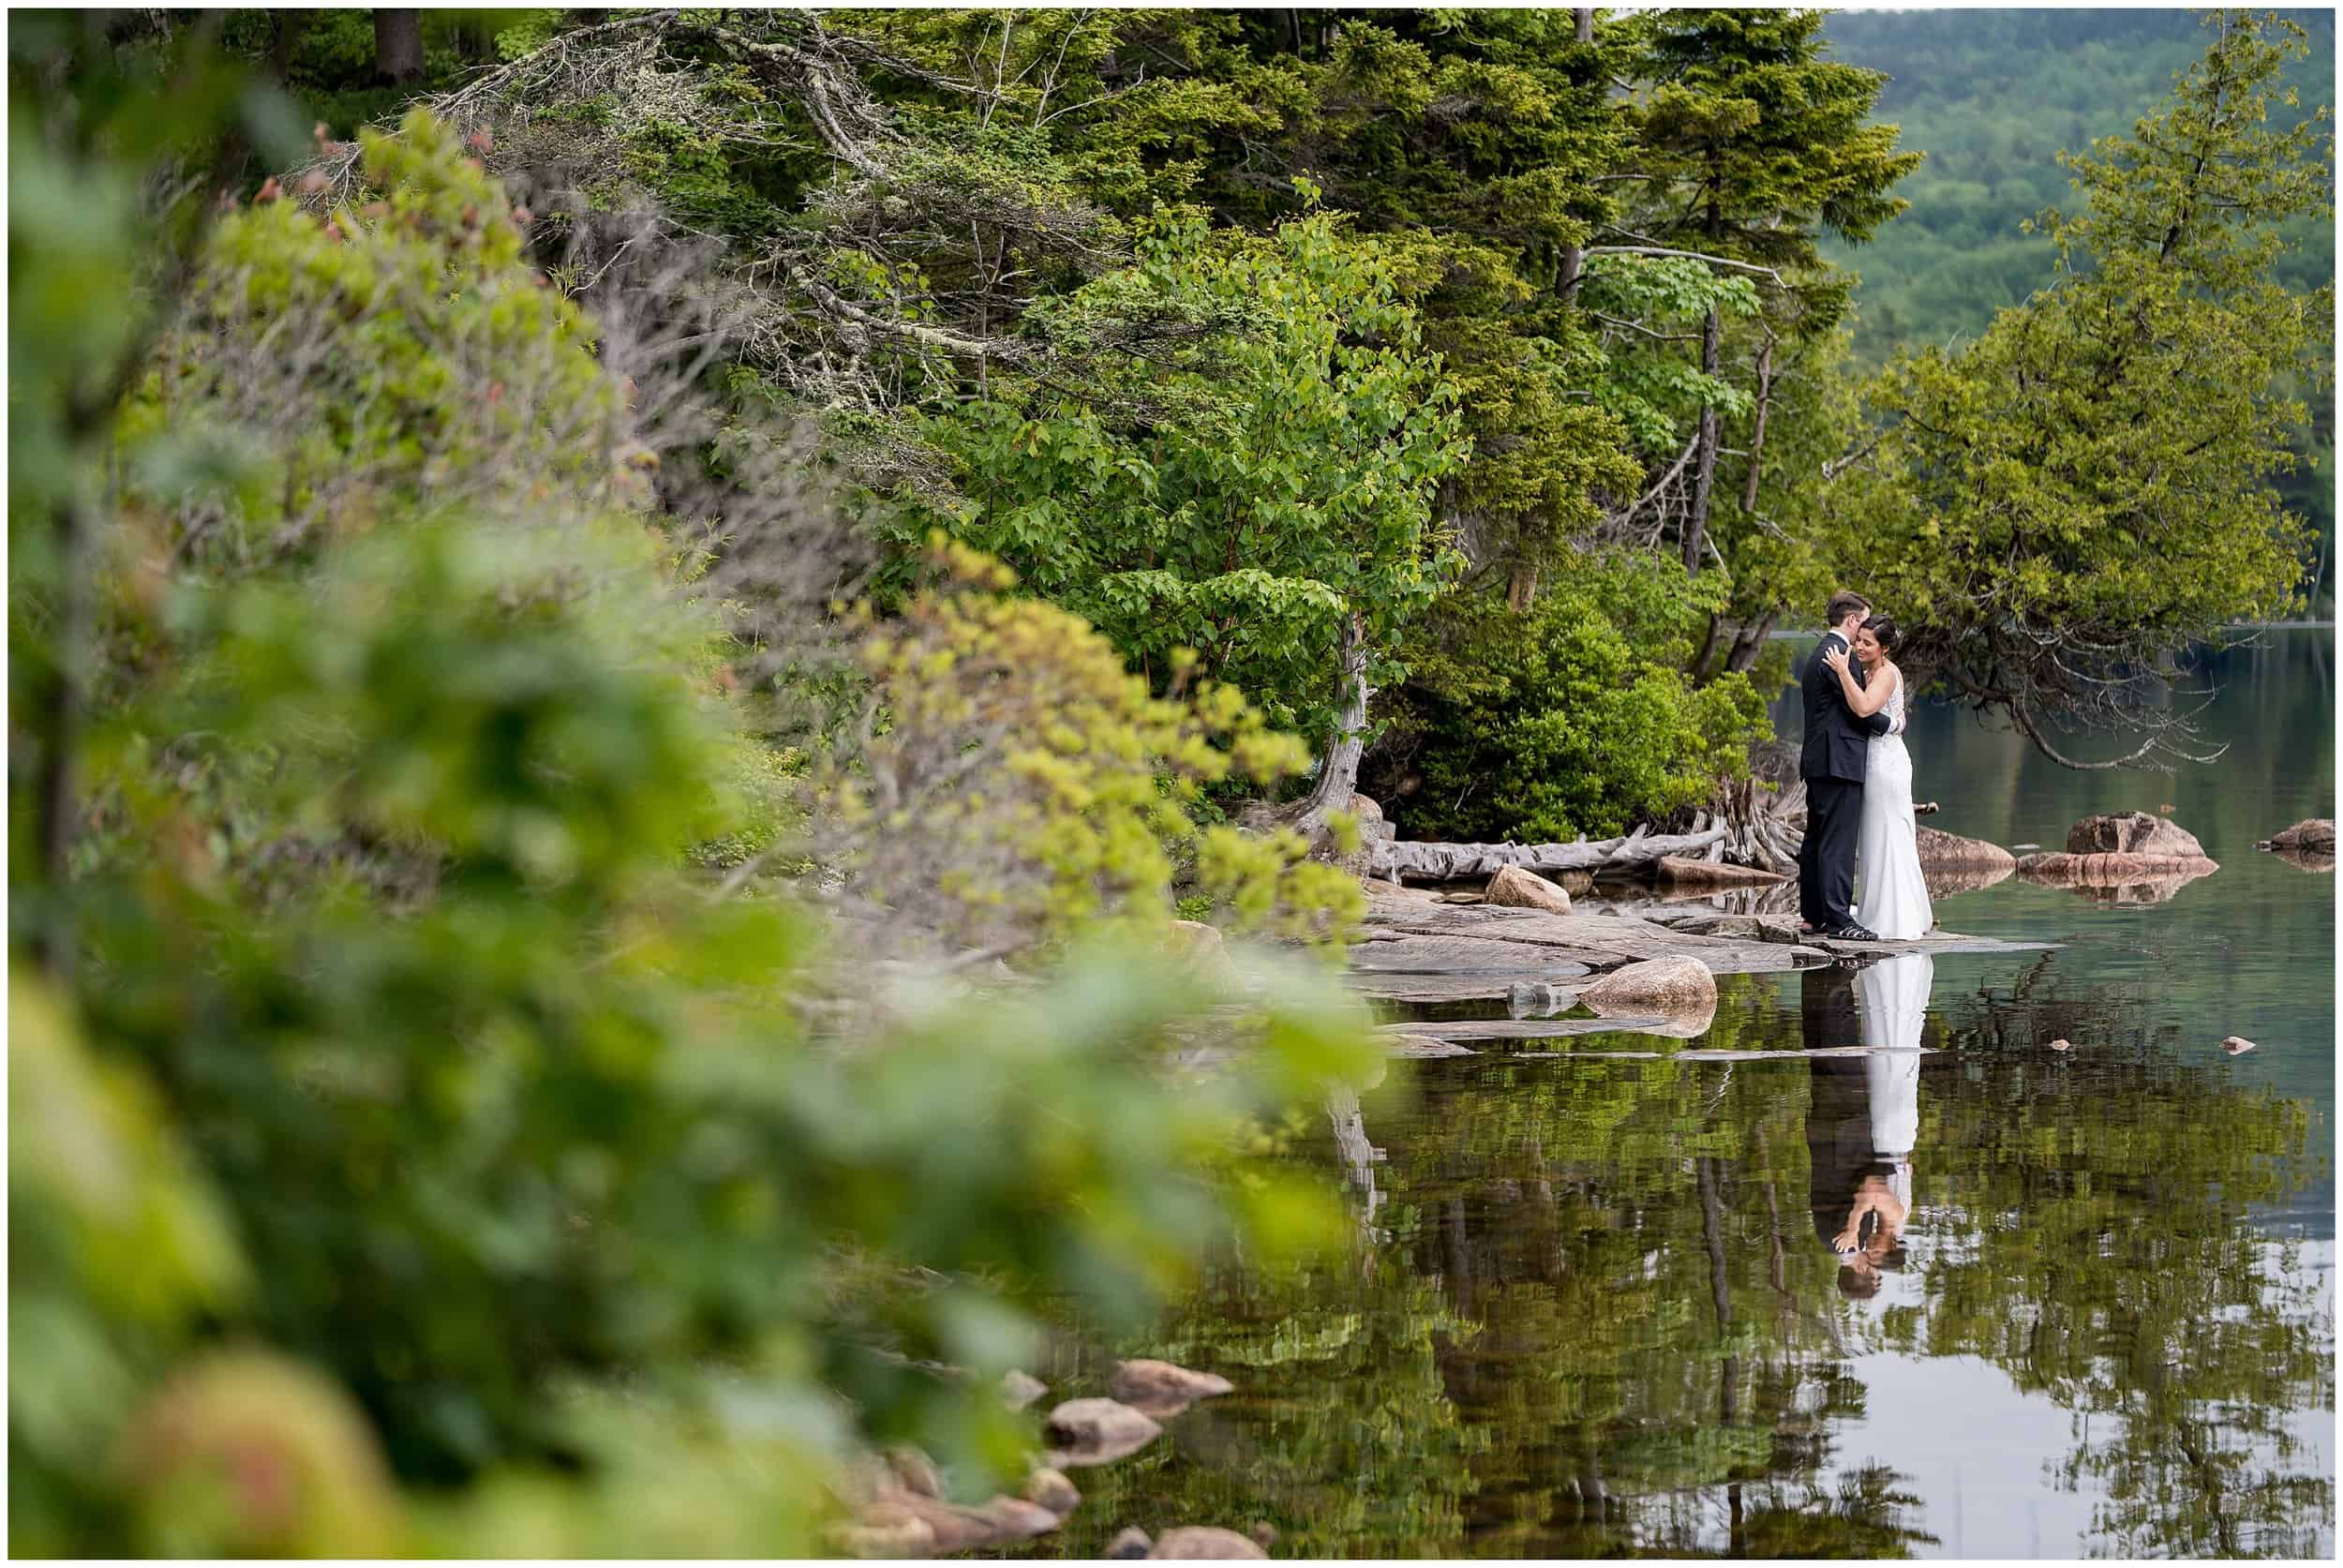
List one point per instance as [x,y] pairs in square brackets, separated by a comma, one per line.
[1599,1308]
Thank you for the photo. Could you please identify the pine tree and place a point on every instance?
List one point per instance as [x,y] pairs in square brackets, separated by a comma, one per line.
[1753,146]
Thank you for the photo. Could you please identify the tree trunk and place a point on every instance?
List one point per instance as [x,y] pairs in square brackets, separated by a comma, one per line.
[398,44]
[1749,645]
[1699,671]
[1705,470]
[1522,591]
[1339,770]
[1574,256]
[290,25]
[1757,437]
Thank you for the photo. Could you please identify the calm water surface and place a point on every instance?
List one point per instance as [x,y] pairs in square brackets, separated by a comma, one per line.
[1615,1305]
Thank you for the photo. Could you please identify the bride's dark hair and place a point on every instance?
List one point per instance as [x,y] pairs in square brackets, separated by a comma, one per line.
[1884,628]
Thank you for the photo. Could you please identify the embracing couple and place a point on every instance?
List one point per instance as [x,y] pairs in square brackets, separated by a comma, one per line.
[1859,787]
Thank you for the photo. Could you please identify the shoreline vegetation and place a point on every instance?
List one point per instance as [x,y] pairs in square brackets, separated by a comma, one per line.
[697,696]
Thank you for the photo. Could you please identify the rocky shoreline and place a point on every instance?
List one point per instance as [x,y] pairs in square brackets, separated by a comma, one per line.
[1646,973]
[1649,966]
[900,1506]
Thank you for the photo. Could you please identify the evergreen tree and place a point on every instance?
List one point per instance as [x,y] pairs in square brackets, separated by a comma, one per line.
[2087,490]
[1751,148]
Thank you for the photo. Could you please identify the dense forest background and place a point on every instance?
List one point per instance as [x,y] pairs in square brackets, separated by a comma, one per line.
[1993,96]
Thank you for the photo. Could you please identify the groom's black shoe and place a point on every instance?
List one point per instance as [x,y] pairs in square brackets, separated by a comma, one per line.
[1853,932]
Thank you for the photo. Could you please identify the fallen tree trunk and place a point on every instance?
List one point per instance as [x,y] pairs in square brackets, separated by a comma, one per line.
[1457,861]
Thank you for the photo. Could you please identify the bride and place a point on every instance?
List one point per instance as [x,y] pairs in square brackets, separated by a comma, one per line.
[1890,896]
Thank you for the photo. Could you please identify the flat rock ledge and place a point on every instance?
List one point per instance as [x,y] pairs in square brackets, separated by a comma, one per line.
[1415,951]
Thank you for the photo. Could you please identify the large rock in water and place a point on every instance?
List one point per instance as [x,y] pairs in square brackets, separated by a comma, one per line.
[1950,864]
[1679,989]
[2316,834]
[1939,848]
[1513,889]
[2133,833]
[2147,859]
[2309,844]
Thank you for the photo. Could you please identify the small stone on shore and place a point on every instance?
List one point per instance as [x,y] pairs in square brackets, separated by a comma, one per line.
[1512,887]
[1097,1432]
[1051,1489]
[1200,1542]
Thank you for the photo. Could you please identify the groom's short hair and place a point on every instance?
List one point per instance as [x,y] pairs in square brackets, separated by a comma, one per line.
[1844,605]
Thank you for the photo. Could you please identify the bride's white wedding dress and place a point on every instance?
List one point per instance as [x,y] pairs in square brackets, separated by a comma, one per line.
[1890,895]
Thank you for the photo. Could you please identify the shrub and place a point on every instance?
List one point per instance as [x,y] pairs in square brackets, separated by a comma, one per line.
[1575,718]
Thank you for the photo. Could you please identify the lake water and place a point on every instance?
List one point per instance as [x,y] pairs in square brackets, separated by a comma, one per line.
[1600,1308]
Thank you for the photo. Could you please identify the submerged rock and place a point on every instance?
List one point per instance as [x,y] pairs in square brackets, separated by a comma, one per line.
[1427,1047]
[2315,835]
[1097,1432]
[1199,1543]
[1157,1388]
[1016,1519]
[1670,987]
[2309,845]
[954,1529]
[1538,999]
[2306,860]
[1020,1389]
[1513,889]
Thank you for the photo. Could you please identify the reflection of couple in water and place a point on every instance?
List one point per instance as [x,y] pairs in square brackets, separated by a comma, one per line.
[1865,1111]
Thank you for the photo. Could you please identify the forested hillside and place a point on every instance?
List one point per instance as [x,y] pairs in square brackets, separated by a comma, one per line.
[1993,96]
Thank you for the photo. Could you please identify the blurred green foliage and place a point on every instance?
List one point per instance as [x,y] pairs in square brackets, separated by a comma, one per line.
[412,1151]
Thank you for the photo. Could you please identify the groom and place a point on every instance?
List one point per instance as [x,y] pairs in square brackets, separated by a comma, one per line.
[1832,762]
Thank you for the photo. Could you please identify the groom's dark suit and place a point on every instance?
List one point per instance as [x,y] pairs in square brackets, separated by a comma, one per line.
[1832,761]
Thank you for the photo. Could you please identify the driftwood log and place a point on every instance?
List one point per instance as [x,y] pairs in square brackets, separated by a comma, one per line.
[1443,862]
[1747,824]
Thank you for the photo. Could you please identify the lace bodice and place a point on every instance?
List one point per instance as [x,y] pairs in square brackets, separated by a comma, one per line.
[1895,707]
